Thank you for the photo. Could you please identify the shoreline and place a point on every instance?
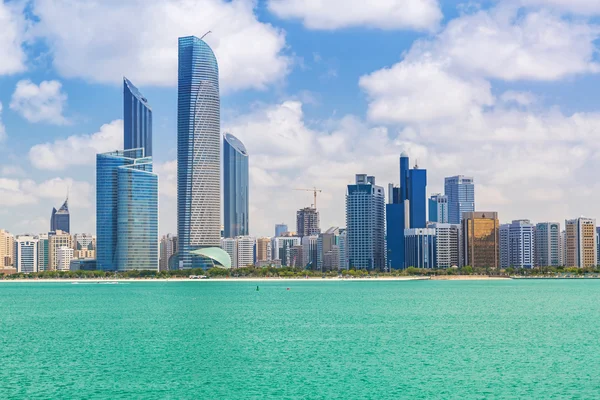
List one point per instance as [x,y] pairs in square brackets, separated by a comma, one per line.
[273,279]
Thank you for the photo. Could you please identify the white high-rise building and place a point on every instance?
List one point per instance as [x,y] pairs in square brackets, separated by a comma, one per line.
[548,244]
[517,244]
[342,243]
[229,245]
[447,244]
[65,256]
[26,258]
[246,246]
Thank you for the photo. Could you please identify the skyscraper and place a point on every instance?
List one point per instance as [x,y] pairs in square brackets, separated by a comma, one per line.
[420,247]
[447,238]
[548,244]
[42,252]
[56,241]
[7,247]
[580,242]
[406,209]
[61,219]
[365,220]
[307,222]
[235,187]
[480,239]
[198,149]
[126,211]
[137,119]
[438,208]
[460,191]
[25,252]
[280,229]
[517,244]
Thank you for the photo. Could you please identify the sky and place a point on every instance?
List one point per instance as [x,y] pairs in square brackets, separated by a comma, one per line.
[318,91]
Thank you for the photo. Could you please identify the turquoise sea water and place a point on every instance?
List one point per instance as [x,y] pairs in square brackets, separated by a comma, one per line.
[318,340]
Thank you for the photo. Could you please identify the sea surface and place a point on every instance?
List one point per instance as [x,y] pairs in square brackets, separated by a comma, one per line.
[301,340]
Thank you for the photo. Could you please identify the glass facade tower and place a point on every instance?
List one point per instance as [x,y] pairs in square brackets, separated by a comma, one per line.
[126,211]
[137,119]
[61,219]
[460,191]
[235,187]
[198,149]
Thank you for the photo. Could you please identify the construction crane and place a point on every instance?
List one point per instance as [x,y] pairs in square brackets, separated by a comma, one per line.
[314,190]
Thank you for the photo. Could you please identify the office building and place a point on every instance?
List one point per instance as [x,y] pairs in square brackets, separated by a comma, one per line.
[84,246]
[548,244]
[310,247]
[420,248]
[307,222]
[327,243]
[447,237]
[7,248]
[168,247]
[438,208]
[61,219]
[460,191]
[480,240]
[343,245]
[126,211]
[241,250]
[230,247]
[235,187]
[137,119]
[263,249]
[280,229]
[365,222]
[281,248]
[517,244]
[406,209]
[57,240]
[25,254]
[563,248]
[42,252]
[581,250]
[64,258]
[297,257]
[198,150]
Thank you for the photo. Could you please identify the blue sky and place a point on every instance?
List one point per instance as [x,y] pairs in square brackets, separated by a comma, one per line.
[505,91]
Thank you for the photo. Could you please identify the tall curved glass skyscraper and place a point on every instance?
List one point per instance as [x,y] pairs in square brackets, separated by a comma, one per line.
[126,211]
[235,187]
[198,149]
[137,119]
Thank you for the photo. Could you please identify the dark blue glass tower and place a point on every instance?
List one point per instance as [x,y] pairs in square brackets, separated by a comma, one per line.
[126,211]
[137,119]
[61,219]
[407,209]
[235,187]
[198,150]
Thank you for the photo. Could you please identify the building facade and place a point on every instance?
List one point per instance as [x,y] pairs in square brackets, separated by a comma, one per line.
[420,248]
[64,258]
[406,209]
[517,244]
[307,222]
[447,238]
[137,119]
[280,229]
[580,246]
[460,191]
[438,208]
[61,219]
[126,211]
[198,149]
[56,240]
[235,187]
[263,249]
[84,246]
[7,249]
[281,246]
[168,247]
[310,248]
[25,254]
[365,222]
[481,240]
[42,252]
[548,244]
[326,243]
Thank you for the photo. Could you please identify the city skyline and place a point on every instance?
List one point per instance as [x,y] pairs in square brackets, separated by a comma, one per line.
[309,116]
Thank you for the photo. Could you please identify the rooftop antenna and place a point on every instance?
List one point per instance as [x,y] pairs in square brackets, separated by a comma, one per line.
[205,34]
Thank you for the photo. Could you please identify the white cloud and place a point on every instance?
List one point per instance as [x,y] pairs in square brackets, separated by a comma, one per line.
[386,14]
[2,127]
[43,103]
[520,98]
[418,91]
[141,40]
[15,192]
[11,38]
[77,149]
[167,175]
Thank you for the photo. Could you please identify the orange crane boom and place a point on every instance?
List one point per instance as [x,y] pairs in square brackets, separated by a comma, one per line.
[314,190]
